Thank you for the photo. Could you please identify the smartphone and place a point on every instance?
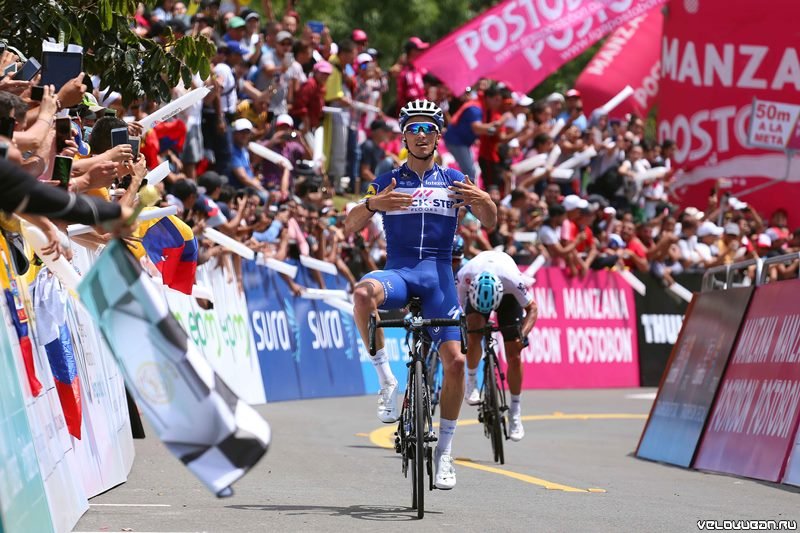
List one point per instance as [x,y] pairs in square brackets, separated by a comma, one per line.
[29,70]
[316,26]
[3,150]
[60,67]
[10,69]
[2,47]
[119,136]
[37,93]
[63,133]
[111,113]
[7,125]
[62,168]
[135,142]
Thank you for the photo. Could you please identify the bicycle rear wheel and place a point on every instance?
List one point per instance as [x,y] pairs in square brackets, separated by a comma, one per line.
[493,416]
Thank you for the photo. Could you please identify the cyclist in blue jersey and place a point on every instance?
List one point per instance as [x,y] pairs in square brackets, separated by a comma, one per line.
[419,203]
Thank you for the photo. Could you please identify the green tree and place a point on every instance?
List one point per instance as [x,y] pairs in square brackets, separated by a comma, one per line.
[134,66]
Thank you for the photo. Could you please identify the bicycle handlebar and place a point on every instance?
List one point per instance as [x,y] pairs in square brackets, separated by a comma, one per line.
[415,323]
[418,323]
[491,327]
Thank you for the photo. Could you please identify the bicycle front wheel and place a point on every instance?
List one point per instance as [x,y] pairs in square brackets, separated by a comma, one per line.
[418,479]
[492,414]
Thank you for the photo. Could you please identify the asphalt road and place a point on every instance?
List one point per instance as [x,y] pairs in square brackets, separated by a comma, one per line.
[327,471]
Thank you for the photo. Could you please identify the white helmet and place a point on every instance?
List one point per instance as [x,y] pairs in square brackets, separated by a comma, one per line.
[421,108]
[486,292]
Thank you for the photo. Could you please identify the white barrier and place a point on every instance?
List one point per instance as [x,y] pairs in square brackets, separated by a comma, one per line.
[222,334]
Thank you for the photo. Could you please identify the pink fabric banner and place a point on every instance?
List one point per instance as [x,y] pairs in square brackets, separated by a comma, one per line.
[585,336]
[630,56]
[521,42]
[708,82]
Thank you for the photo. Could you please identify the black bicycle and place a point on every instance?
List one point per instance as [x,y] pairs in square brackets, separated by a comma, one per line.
[433,366]
[415,427]
[493,407]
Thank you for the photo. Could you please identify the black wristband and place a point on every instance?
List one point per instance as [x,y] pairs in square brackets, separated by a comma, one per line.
[366,203]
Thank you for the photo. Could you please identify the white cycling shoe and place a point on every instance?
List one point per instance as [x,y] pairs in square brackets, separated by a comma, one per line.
[388,410]
[445,478]
[515,430]
[472,395]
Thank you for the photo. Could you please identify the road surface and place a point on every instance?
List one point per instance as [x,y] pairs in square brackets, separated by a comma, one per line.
[328,470]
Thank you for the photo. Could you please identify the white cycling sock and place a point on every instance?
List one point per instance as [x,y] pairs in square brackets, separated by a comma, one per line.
[381,364]
[472,375]
[516,405]
[447,429]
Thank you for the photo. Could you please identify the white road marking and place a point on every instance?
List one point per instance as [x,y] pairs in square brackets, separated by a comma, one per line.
[129,505]
[642,396]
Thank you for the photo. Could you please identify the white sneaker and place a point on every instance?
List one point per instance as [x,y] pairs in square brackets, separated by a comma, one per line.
[472,395]
[445,478]
[515,430]
[388,411]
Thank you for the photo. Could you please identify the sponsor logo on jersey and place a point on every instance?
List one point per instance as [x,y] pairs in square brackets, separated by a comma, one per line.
[428,200]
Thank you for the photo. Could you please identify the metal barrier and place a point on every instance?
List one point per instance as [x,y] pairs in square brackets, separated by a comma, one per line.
[733,273]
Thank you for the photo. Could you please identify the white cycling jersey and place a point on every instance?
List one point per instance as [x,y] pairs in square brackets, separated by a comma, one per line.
[503,266]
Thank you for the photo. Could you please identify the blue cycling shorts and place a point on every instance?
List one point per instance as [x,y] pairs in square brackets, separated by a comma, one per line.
[429,279]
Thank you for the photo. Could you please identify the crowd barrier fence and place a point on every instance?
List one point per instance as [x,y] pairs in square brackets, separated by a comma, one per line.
[730,399]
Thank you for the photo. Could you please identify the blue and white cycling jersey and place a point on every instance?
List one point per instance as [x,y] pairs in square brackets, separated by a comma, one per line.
[425,230]
[419,245]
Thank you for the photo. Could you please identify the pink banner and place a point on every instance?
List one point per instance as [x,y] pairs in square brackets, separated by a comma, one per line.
[754,420]
[521,42]
[708,82]
[585,336]
[630,56]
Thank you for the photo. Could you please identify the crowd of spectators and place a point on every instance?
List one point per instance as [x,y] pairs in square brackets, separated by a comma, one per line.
[328,108]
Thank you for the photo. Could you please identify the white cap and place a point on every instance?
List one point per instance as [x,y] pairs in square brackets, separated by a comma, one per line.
[242,124]
[764,241]
[364,58]
[513,143]
[709,228]
[525,100]
[731,228]
[736,204]
[573,201]
[609,211]
[694,213]
[555,97]
[284,119]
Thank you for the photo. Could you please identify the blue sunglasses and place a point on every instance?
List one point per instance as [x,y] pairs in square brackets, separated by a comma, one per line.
[421,127]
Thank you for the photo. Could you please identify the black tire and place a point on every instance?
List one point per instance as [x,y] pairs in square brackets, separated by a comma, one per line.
[433,382]
[493,411]
[419,430]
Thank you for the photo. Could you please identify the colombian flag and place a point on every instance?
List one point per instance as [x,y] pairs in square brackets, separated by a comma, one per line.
[68,385]
[172,247]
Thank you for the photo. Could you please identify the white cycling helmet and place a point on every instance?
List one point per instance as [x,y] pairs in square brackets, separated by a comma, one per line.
[486,292]
[421,108]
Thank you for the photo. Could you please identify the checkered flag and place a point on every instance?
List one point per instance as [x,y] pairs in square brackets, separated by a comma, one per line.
[202,422]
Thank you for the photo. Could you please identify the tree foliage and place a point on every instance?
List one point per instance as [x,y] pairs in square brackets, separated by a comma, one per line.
[134,66]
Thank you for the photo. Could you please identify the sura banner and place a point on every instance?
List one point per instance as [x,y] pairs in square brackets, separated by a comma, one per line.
[630,56]
[521,42]
[687,390]
[306,348]
[585,335]
[755,417]
[708,82]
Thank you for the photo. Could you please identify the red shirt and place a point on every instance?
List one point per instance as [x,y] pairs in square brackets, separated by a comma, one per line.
[309,102]
[409,85]
[636,247]
[488,143]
